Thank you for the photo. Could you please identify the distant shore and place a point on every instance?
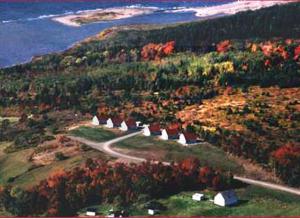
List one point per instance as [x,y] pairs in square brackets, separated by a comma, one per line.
[101,15]
[110,14]
[233,7]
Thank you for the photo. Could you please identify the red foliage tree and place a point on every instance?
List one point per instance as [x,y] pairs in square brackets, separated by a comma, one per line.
[287,154]
[297,52]
[154,51]
[224,46]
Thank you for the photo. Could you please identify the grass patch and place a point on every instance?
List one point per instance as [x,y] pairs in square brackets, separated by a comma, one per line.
[94,134]
[34,176]
[254,201]
[206,153]
[14,164]
[16,169]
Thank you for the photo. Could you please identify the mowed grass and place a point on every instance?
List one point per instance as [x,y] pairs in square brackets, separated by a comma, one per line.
[14,164]
[253,201]
[94,134]
[16,169]
[34,176]
[206,153]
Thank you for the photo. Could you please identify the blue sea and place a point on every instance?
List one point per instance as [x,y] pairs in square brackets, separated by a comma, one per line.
[27,29]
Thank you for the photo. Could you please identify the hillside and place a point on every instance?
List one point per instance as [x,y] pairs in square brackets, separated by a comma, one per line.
[234,81]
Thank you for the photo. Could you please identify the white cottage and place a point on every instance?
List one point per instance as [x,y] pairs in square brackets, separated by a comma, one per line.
[225,198]
[113,122]
[169,134]
[129,124]
[95,120]
[198,197]
[187,138]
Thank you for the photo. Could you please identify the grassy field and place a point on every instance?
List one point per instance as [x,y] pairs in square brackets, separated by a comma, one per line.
[94,134]
[206,153]
[16,169]
[253,201]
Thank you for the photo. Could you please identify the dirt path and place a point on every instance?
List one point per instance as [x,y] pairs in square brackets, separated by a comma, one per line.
[105,147]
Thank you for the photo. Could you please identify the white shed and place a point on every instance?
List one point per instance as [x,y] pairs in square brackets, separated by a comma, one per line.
[91,212]
[198,197]
[152,211]
[95,121]
[225,198]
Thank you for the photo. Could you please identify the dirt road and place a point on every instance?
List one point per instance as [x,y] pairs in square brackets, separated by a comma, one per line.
[105,147]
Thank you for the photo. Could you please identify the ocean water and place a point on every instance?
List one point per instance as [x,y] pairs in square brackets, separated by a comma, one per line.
[27,29]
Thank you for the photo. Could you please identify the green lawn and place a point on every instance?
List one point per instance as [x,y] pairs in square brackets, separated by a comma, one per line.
[253,201]
[94,134]
[206,153]
[14,164]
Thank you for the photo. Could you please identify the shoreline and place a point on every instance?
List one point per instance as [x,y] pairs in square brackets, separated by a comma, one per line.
[102,15]
[111,14]
[233,7]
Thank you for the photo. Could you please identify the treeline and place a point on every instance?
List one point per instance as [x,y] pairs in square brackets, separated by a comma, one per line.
[97,182]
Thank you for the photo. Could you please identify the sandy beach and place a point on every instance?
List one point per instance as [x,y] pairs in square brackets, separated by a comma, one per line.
[231,8]
[99,15]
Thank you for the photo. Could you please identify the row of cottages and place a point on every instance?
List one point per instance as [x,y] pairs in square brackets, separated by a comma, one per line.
[115,122]
[184,138]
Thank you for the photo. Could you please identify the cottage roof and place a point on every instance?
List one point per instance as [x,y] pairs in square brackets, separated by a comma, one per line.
[155,127]
[117,120]
[102,117]
[228,195]
[189,136]
[130,122]
[172,131]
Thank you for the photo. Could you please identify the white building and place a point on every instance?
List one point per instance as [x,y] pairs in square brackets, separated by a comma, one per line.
[198,197]
[95,121]
[113,122]
[169,134]
[152,211]
[109,123]
[187,138]
[129,124]
[91,212]
[225,198]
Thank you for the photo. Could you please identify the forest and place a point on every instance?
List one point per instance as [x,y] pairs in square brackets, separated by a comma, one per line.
[64,193]
[151,74]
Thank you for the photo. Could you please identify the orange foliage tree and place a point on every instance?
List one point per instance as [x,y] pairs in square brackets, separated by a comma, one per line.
[154,51]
